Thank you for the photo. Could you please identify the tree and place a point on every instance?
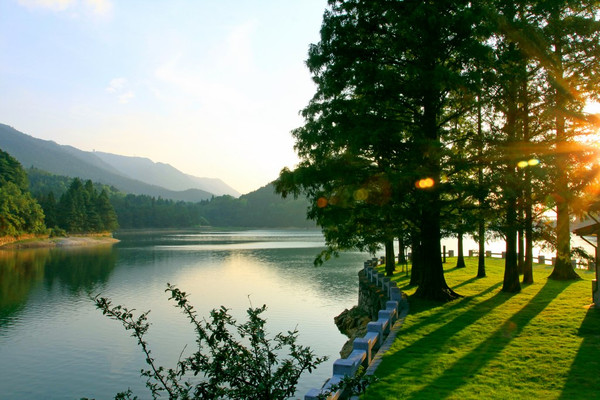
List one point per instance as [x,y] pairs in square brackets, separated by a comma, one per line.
[391,77]
[12,171]
[230,368]
[19,212]
[81,209]
[570,59]
[106,212]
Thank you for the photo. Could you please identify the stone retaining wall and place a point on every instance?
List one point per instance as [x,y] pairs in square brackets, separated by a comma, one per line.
[376,294]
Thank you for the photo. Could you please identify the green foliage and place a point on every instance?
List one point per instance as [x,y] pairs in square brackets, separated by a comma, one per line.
[235,360]
[12,171]
[82,210]
[261,208]
[19,212]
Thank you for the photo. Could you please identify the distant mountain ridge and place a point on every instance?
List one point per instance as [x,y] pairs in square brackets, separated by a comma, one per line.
[134,175]
[164,175]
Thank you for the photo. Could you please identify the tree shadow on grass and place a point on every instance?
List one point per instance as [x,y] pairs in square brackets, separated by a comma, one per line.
[425,346]
[468,366]
[471,280]
[584,376]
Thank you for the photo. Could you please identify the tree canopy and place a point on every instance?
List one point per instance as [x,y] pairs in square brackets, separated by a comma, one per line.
[19,212]
[424,112]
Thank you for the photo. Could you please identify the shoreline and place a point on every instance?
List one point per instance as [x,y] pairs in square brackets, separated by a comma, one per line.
[59,242]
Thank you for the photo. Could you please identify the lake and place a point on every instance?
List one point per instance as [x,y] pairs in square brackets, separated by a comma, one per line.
[54,343]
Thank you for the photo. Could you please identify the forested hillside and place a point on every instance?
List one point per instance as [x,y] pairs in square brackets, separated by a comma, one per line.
[262,208]
[19,212]
[72,162]
[81,209]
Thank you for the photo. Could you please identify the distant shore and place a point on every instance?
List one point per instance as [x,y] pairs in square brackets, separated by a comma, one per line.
[69,241]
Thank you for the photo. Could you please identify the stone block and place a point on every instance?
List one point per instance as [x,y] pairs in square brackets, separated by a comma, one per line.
[392,305]
[385,284]
[395,294]
[377,328]
[349,366]
[312,394]
[385,324]
[365,345]
[334,380]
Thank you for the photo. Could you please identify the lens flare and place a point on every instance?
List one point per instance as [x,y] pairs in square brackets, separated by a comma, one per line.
[322,202]
[425,183]
[361,195]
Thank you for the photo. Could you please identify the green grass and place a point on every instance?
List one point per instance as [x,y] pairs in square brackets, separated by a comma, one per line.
[542,343]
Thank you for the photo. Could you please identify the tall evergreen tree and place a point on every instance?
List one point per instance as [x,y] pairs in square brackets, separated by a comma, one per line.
[391,76]
[19,212]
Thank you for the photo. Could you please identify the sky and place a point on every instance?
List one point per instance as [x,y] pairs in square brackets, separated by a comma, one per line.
[212,87]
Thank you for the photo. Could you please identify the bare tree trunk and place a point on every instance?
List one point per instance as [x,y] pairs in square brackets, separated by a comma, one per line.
[481,198]
[460,263]
[511,274]
[390,258]
[563,269]
[416,261]
[528,263]
[401,251]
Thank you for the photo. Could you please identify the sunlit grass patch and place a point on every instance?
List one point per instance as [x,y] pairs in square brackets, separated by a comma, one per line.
[541,343]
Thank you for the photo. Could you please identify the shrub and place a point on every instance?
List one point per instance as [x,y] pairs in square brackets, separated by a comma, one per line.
[226,367]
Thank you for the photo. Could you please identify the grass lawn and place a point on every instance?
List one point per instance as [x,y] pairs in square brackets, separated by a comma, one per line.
[542,343]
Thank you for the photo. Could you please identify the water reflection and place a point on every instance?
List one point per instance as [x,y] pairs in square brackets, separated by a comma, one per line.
[46,313]
[73,270]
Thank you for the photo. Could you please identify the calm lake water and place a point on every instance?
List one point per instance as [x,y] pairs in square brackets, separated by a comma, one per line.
[54,344]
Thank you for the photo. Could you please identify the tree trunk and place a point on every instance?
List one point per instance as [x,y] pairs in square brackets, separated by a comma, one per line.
[432,285]
[481,197]
[511,274]
[511,282]
[401,251]
[460,263]
[528,264]
[416,260]
[390,258]
[520,243]
[563,269]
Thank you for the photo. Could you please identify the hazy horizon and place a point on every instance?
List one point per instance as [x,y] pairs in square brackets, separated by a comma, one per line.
[213,89]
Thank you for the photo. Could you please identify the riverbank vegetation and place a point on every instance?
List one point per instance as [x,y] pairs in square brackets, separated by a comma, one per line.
[261,208]
[435,119]
[542,343]
[81,208]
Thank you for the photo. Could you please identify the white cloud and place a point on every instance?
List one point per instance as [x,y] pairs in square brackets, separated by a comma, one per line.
[119,87]
[125,97]
[116,85]
[55,5]
[95,7]
[99,7]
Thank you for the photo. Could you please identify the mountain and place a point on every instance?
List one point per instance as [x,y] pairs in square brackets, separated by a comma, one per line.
[69,161]
[164,175]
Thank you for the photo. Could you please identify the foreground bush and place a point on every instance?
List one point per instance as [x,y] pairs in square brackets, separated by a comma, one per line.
[226,368]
